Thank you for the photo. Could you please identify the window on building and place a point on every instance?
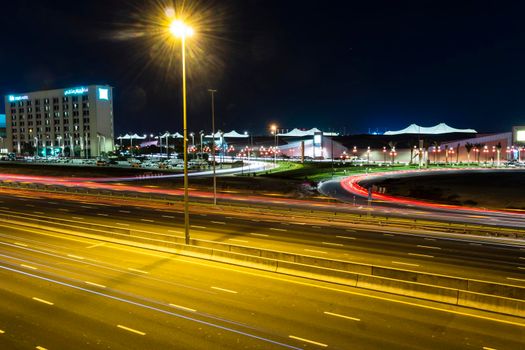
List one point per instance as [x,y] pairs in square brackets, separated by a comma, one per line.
[85,97]
[85,112]
[85,105]
[38,116]
[74,98]
[20,110]
[29,102]
[12,104]
[65,99]
[55,99]
[46,108]
[46,101]
[29,116]
[37,102]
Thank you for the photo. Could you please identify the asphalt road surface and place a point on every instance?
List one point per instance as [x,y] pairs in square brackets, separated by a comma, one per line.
[62,292]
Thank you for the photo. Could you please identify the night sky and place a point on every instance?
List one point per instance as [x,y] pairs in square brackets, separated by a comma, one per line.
[339,65]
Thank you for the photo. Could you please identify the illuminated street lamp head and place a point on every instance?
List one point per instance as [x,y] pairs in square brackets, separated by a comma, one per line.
[180,30]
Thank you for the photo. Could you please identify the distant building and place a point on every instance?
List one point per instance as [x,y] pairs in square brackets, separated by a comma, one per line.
[75,122]
[3,140]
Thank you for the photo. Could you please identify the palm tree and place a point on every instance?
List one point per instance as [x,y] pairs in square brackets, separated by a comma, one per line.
[479,147]
[436,145]
[468,147]
[392,145]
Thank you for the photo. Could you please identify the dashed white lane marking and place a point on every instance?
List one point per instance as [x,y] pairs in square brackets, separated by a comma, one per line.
[299,223]
[421,255]
[342,316]
[36,212]
[315,251]
[277,229]
[487,348]
[403,263]
[7,208]
[130,330]
[350,230]
[218,222]
[28,267]
[316,227]
[42,301]
[237,240]
[388,234]
[63,209]
[516,279]
[183,308]
[102,214]
[428,247]
[521,268]
[20,244]
[255,220]
[38,347]
[124,211]
[203,214]
[196,226]
[168,216]
[52,203]
[334,244]
[345,237]
[475,243]
[77,218]
[30,205]
[258,234]
[121,224]
[95,245]
[308,341]
[86,206]
[224,290]
[75,257]
[2,332]
[95,284]
[147,220]
[229,217]
[429,239]
[136,270]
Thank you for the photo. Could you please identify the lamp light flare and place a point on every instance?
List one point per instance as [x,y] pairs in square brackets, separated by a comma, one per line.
[180,30]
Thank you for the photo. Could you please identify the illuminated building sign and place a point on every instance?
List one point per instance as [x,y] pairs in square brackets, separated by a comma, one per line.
[103,94]
[520,135]
[76,91]
[13,98]
[317,140]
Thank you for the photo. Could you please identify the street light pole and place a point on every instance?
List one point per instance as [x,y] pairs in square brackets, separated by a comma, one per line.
[212,92]
[181,30]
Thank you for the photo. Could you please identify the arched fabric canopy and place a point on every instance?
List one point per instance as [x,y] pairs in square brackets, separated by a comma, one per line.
[302,133]
[441,128]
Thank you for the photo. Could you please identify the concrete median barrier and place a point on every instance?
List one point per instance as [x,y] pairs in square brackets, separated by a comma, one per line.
[502,290]
[411,289]
[414,276]
[492,303]
[318,273]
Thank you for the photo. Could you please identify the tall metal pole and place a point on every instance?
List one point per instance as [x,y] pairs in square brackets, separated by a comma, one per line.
[185,145]
[212,92]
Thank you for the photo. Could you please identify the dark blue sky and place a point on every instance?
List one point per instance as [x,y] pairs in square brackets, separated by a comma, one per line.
[357,65]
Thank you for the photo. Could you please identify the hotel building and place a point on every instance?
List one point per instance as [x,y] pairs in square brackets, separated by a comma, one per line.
[73,122]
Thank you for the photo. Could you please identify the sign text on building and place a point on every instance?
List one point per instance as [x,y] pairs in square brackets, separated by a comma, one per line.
[76,91]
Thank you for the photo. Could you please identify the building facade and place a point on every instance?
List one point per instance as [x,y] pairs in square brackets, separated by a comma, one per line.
[72,122]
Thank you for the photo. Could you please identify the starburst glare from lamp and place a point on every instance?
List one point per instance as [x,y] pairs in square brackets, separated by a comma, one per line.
[180,30]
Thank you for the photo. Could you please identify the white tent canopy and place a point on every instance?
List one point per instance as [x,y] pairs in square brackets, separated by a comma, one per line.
[167,134]
[302,133]
[128,137]
[441,128]
[231,134]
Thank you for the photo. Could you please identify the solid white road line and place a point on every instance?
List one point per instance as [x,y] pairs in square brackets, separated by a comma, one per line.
[121,224]
[42,301]
[183,308]
[136,270]
[516,279]
[95,284]
[308,341]
[28,267]
[130,330]
[403,263]
[224,290]
[342,316]
[20,244]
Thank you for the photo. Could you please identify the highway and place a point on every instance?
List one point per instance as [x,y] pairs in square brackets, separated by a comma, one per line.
[439,253]
[61,292]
